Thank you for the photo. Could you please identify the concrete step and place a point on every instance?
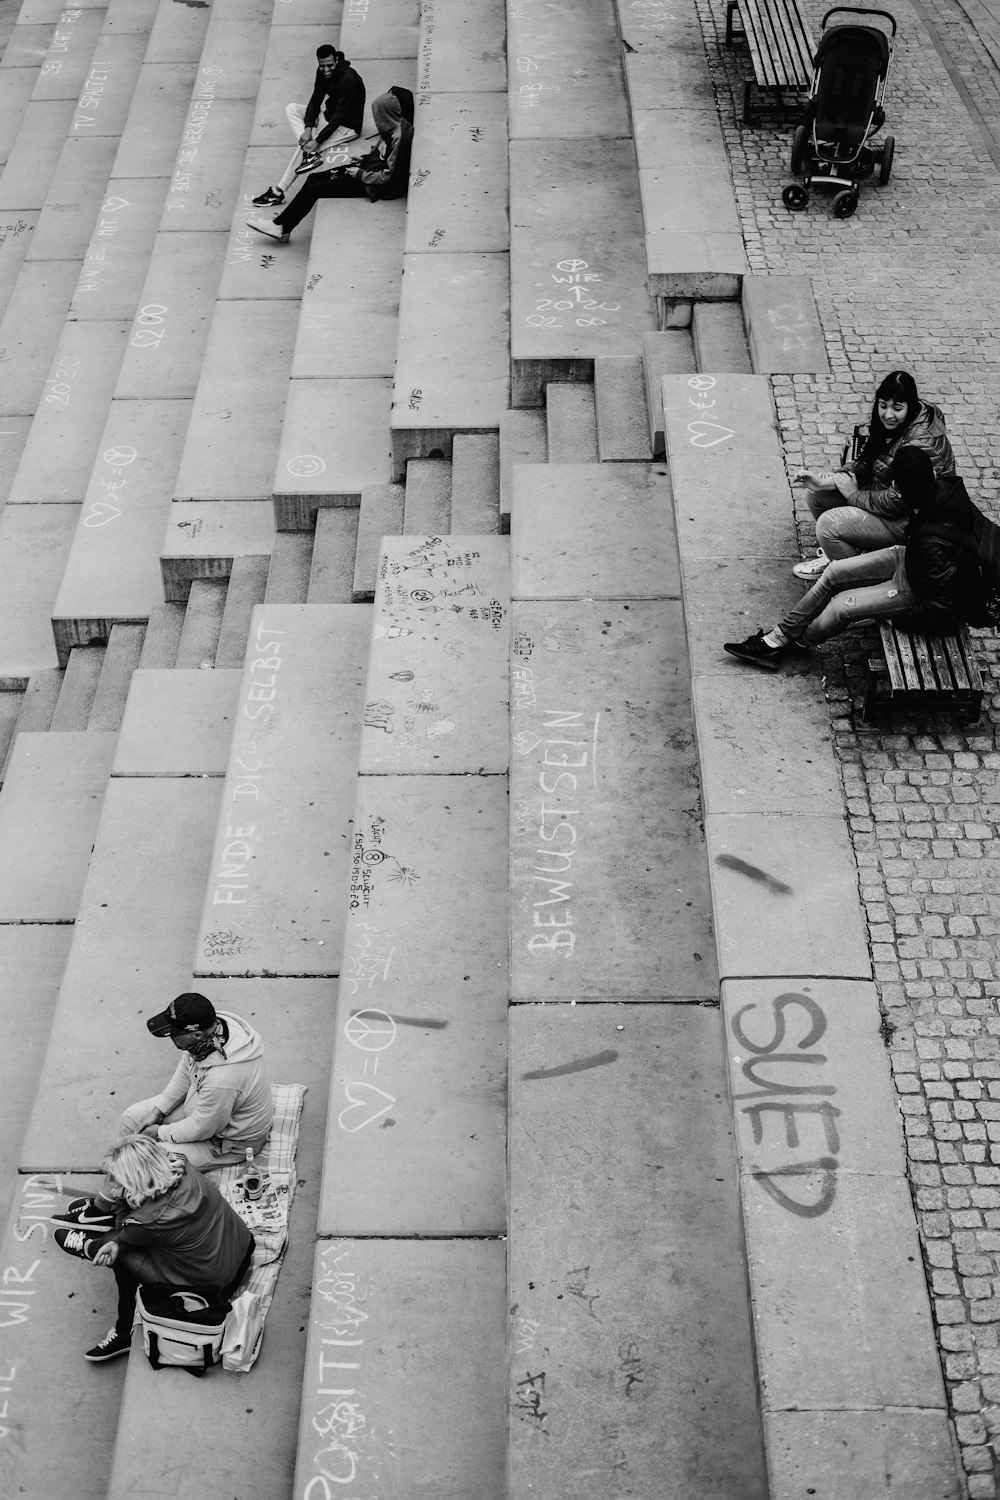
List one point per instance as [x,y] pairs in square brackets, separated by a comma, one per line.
[61,448]
[410,1022]
[427,498]
[70,53]
[347,323]
[380,514]
[76,697]
[76,1113]
[235,429]
[622,419]
[73,200]
[384,1316]
[115,262]
[34,544]
[40,698]
[247,587]
[566,83]
[174,317]
[783,326]
[274,904]
[44,1317]
[176,37]
[461,47]
[582,531]
[120,660]
[720,341]
[202,623]
[106,93]
[389,30]
[16,234]
[24,44]
[568,309]
[458,198]
[438,680]
[13,436]
[254,268]
[32,957]
[163,633]
[331,577]
[571,423]
[253,1460]
[475,484]
[178,722]
[34,155]
[30,332]
[113,569]
[452,364]
[291,562]
[202,541]
[523,440]
[235,47]
[130,16]
[11,700]
[334,442]
[156,118]
[50,808]
[668,353]
[572,854]
[204,186]
[642,1243]
[15,91]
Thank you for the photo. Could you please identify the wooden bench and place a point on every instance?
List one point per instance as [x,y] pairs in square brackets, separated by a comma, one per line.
[781,49]
[924,672]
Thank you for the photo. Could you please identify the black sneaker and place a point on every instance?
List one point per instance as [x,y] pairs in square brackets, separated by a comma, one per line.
[310,161]
[81,1214]
[82,1242]
[268,196]
[757,652]
[110,1346]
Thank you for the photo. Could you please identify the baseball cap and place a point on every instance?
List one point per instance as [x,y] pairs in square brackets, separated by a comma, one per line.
[188,1012]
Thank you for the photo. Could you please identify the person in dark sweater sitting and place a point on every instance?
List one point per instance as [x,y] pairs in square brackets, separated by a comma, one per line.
[339,97]
[383,173]
[921,583]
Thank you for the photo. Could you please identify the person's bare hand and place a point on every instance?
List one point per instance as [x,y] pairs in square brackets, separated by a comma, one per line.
[106,1254]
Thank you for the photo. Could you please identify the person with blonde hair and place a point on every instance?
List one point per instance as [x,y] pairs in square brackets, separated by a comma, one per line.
[172,1227]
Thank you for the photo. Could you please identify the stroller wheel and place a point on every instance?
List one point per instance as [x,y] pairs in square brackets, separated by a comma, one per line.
[795,197]
[845,203]
[799,142]
[886,154]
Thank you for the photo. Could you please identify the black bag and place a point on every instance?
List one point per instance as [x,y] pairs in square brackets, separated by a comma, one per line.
[182,1326]
[980,606]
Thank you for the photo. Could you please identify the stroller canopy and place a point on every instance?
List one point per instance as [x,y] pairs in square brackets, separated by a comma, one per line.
[851,62]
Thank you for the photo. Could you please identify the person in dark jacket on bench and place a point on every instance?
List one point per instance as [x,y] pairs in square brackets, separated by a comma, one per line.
[921,584]
[383,173]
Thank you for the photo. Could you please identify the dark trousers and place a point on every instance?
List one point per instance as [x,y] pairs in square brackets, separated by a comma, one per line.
[128,1284]
[319,185]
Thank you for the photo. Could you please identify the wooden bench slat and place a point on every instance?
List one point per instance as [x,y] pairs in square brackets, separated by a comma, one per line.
[924,672]
[781,45]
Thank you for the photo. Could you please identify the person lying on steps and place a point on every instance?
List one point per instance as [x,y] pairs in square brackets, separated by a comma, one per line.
[921,583]
[383,173]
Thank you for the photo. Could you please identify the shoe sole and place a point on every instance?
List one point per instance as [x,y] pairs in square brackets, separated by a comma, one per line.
[101,1359]
[94,1226]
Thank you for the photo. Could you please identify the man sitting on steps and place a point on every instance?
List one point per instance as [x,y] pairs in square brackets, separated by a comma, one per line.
[340,95]
[217,1105]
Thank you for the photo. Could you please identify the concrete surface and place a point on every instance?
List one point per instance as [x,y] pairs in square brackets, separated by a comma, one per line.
[609,892]
[630,1349]
[620,395]
[523,440]
[475,483]
[178,723]
[564,78]
[105,95]
[458,197]
[427,497]
[385,1319]
[115,261]
[438,689]
[416,1133]
[583,531]
[200,541]
[274,900]
[73,199]
[34,544]
[35,153]
[205,181]
[571,423]
[670,352]
[31,329]
[461,48]
[347,320]
[334,441]
[783,326]
[50,808]
[173,317]
[389,29]
[720,340]
[155,121]
[380,514]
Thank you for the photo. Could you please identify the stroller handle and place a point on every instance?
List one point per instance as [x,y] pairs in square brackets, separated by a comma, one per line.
[860,10]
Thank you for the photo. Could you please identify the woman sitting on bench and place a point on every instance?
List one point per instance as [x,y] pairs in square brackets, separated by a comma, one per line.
[921,583]
[856,508]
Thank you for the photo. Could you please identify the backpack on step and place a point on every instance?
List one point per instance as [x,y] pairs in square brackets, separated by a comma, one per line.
[182,1327]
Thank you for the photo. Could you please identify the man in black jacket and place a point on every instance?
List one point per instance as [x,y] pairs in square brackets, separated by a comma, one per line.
[921,583]
[339,96]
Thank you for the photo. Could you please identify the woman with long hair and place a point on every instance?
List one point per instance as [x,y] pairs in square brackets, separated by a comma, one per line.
[172,1228]
[857,508]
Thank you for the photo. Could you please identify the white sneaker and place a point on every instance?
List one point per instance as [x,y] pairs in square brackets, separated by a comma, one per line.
[813,567]
[268,227]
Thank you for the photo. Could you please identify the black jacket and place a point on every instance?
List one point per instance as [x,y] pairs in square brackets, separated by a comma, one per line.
[940,571]
[341,97]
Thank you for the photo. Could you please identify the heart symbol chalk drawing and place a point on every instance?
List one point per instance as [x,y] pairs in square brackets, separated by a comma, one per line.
[100,513]
[702,433]
[524,742]
[362,1108]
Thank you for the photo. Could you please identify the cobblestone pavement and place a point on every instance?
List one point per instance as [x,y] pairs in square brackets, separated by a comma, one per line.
[913,281]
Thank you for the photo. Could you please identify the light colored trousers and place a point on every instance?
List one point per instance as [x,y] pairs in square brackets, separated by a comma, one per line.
[872,586]
[295,114]
[844,530]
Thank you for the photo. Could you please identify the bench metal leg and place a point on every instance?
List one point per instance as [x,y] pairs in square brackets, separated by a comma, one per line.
[730,10]
[747,106]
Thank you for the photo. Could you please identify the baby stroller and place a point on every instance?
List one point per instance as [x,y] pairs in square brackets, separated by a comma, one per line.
[831,148]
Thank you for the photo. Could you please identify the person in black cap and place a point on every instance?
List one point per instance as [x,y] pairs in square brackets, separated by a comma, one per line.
[215,1107]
